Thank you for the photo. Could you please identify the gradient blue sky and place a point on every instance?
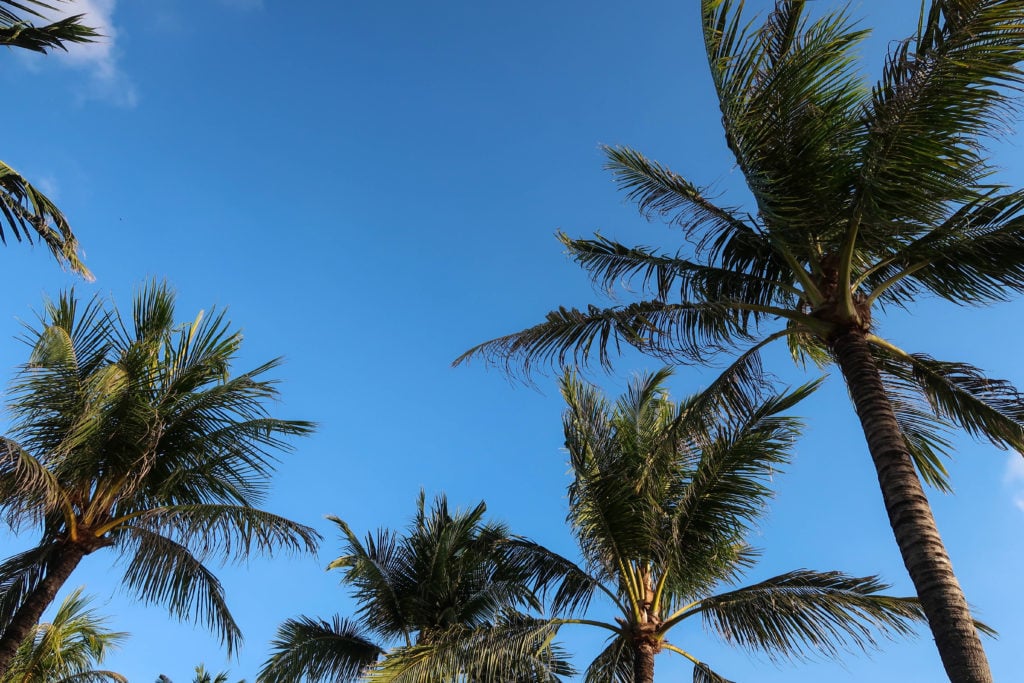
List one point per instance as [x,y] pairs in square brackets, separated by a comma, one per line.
[371,188]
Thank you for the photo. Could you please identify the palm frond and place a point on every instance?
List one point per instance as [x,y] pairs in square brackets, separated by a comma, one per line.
[789,99]
[990,409]
[518,650]
[804,612]
[228,531]
[614,664]
[164,572]
[702,673]
[19,576]
[20,31]
[941,92]
[610,263]
[573,588]
[25,212]
[319,650]
[974,257]
[689,332]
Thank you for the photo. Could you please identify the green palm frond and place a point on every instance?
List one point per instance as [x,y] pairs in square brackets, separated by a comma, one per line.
[164,572]
[319,650]
[702,673]
[803,612]
[20,31]
[19,576]
[789,97]
[67,648]
[614,664]
[570,587]
[986,408]
[519,650]
[974,257]
[690,332]
[610,264]
[25,212]
[228,531]
[941,92]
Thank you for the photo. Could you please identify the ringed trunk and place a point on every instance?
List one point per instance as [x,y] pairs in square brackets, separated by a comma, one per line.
[911,517]
[643,663]
[58,569]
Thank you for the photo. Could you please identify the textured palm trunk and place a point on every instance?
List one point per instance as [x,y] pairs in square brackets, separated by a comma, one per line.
[57,572]
[643,663]
[911,517]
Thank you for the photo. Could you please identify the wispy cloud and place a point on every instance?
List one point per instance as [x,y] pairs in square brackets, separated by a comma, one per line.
[1014,477]
[100,60]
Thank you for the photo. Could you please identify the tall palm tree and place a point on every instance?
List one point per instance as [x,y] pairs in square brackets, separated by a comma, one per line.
[446,585]
[662,498]
[68,648]
[134,435]
[24,210]
[862,198]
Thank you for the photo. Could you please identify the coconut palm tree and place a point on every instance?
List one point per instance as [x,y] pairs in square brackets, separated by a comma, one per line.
[24,210]
[662,498]
[445,585]
[134,435]
[862,198]
[67,649]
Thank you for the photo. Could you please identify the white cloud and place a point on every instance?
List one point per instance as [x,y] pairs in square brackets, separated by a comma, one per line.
[107,81]
[1014,477]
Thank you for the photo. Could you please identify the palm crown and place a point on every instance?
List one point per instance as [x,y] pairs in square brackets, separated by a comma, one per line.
[662,498]
[135,435]
[861,198]
[443,597]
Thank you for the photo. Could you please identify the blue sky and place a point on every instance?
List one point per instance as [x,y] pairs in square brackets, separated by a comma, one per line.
[372,188]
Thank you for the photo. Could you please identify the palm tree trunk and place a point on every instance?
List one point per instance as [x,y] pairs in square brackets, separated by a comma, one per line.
[643,664]
[911,517]
[58,569]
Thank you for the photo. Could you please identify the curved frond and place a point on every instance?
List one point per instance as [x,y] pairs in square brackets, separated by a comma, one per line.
[614,664]
[690,332]
[941,92]
[803,612]
[21,31]
[702,673]
[25,212]
[990,409]
[164,572]
[306,649]
[573,588]
[228,531]
[19,576]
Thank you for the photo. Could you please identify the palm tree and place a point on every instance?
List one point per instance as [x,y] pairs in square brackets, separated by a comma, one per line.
[445,585]
[24,210]
[67,649]
[662,498]
[134,435]
[862,198]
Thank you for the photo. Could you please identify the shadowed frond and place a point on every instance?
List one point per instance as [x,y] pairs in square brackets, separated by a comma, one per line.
[991,409]
[702,673]
[319,650]
[570,587]
[19,575]
[803,612]
[690,332]
[21,30]
[614,664]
